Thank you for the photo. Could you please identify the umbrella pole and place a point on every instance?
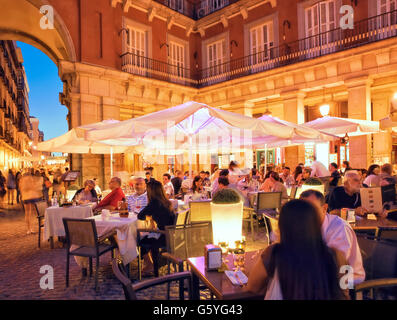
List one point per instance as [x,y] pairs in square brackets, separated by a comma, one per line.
[190,156]
[111,162]
[265,171]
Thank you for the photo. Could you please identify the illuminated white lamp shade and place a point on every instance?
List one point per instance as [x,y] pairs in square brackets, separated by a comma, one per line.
[395,96]
[324,110]
[309,187]
[227,222]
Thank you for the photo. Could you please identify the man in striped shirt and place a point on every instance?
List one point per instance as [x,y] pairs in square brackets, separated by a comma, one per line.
[138,200]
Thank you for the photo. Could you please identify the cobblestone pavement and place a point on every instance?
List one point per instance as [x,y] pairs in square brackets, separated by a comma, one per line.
[21,260]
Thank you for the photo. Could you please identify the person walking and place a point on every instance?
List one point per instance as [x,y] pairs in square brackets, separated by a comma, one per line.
[11,186]
[31,186]
[2,187]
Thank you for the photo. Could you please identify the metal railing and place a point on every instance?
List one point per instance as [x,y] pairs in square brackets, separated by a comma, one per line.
[366,31]
[196,10]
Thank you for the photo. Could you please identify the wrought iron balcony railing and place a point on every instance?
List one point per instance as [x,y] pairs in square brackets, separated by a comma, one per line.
[365,32]
[198,9]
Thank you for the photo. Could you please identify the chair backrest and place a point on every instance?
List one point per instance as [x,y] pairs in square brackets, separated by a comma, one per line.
[181,216]
[387,234]
[379,257]
[293,192]
[274,233]
[325,181]
[119,272]
[80,232]
[199,211]
[268,200]
[40,206]
[188,240]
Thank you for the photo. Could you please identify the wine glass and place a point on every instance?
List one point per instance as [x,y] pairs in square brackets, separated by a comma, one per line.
[138,205]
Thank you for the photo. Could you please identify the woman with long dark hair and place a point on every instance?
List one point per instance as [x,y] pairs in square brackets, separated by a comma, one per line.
[298,174]
[300,266]
[372,179]
[158,213]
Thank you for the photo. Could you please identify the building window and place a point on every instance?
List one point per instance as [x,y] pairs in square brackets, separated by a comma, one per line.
[261,43]
[209,6]
[321,18]
[176,5]
[176,59]
[136,47]
[216,54]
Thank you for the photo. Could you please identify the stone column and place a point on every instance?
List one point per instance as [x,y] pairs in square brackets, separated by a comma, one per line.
[294,111]
[359,107]
[382,142]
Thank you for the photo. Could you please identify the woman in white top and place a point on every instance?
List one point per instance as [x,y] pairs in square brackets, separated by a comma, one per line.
[373,179]
[300,266]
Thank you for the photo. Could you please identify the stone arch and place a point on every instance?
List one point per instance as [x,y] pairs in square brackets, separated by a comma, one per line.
[20,20]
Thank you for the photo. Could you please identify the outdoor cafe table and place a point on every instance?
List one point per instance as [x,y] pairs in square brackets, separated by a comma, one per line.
[126,233]
[53,224]
[217,282]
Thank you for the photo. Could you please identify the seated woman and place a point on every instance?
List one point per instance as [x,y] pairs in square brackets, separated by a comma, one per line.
[197,188]
[159,213]
[86,194]
[300,266]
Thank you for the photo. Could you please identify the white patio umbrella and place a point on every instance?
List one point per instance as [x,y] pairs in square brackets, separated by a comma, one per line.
[74,141]
[193,122]
[387,123]
[342,126]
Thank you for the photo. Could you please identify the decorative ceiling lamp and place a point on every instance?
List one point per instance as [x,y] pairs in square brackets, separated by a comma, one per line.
[345,139]
[324,108]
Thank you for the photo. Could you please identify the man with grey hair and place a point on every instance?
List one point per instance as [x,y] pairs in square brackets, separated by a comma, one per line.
[111,200]
[138,200]
[348,195]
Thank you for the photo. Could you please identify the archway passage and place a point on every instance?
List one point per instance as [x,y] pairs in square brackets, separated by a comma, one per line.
[20,20]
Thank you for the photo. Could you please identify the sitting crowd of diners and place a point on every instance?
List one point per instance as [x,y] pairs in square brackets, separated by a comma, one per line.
[313,241]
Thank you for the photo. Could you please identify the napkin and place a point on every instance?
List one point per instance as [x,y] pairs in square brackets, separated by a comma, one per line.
[234,277]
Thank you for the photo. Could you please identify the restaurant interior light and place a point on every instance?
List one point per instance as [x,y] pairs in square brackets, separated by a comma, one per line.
[324,110]
[395,96]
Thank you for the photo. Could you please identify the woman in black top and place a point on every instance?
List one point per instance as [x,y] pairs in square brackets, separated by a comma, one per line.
[159,213]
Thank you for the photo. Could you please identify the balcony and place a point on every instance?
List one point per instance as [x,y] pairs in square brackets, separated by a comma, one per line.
[196,10]
[365,32]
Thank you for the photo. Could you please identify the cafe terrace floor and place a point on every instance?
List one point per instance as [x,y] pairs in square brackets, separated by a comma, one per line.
[21,260]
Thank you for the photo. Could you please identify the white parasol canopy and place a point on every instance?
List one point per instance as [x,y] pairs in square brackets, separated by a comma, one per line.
[342,126]
[74,141]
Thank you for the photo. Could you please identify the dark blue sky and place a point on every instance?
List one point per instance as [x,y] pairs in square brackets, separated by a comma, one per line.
[44,85]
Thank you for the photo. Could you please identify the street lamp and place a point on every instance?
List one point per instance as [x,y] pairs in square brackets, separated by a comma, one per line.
[324,110]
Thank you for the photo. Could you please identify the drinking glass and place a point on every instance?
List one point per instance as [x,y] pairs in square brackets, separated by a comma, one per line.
[138,205]
[119,205]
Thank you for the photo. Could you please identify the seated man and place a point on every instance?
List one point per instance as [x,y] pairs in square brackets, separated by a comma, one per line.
[337,234]
[215,185]
[177,181]
[168,187]
[111,200]
[347,196]
[86,194]
[223,183]
[139,197]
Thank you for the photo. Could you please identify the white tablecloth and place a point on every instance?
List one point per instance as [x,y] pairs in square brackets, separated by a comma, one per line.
[126,233]
[53,225]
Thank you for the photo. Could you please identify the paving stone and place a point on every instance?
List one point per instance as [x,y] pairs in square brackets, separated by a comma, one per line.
[21,260]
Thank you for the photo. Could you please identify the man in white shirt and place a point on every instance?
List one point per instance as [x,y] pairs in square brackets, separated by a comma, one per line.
[138,200]
[338,234]
[319,170]
[287,178]
[168,186]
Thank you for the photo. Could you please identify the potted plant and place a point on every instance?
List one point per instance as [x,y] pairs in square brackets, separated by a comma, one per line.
[227,216]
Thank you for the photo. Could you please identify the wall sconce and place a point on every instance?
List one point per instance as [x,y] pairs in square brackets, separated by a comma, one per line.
[231,46]
[164,44]
[288,24]
[124,29]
